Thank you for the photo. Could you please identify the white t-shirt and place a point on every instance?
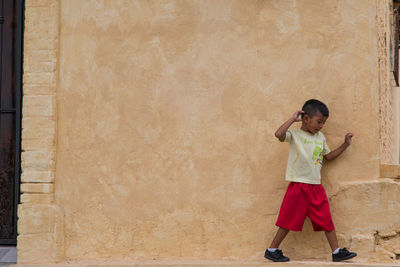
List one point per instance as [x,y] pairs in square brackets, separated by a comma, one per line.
[305,156]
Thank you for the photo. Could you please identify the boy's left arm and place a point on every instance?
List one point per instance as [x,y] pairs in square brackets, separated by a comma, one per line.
[335,153]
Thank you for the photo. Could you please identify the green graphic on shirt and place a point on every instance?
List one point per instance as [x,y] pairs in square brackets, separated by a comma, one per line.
[317,153]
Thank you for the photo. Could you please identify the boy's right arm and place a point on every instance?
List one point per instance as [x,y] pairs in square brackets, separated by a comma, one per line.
[281,132]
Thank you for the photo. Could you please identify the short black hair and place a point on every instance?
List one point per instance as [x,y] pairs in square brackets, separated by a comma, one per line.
[312,106]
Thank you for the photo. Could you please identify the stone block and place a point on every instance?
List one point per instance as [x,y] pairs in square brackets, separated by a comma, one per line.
[38,133]
[376,205]
[31,89]
[46,28]
[35,219]
[38,127]
[37,27]
[41,234]
[42,105]
[41,24]
[39,78]
[40,3]
[43,55]
[37,188]
[31,198]
[33,176]
[32,43]
[36,248]
[38,14]
[389,171]
[389,233]
[38,144]
[39,66]
[41,133]
[38,160]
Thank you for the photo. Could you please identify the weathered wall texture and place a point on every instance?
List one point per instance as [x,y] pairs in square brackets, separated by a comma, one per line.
[388,95]
[165,122]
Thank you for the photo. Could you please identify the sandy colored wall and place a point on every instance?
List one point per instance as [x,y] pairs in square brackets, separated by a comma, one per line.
[166,114]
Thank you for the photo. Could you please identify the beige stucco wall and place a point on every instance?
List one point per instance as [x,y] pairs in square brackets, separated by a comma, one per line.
[165,117]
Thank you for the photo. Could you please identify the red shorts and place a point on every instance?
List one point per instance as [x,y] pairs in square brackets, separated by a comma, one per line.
[303,200]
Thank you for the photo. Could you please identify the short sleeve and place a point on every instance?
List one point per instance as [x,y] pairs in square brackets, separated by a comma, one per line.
[288,136]
[326,149]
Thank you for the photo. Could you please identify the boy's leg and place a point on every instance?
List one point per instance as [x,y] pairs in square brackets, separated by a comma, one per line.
[291,216]
[273,253]
[332,239]
[279,236]
[338,254]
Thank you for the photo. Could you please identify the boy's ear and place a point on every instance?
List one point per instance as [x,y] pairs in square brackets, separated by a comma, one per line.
[306,117]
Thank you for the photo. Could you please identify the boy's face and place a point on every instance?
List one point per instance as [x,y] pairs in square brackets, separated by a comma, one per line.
[315,123]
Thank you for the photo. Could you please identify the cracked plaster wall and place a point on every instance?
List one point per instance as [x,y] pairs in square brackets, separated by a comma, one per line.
[166,115]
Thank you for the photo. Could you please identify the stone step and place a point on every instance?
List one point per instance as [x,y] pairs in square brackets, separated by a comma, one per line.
[8,254]
[260,263]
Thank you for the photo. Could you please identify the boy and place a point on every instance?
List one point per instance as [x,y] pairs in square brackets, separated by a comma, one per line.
[305,195]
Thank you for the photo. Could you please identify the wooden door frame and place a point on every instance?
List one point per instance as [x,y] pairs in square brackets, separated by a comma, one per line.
[19,41]
[18,58]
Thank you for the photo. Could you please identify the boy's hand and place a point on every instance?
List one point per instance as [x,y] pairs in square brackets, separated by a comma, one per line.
[347,138]
[297,115]
[281,132]
[338,151]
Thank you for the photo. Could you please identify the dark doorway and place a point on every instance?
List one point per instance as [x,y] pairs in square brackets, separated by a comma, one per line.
[11,25]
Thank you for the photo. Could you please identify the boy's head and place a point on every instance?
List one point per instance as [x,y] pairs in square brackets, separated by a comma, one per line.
[314,116]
